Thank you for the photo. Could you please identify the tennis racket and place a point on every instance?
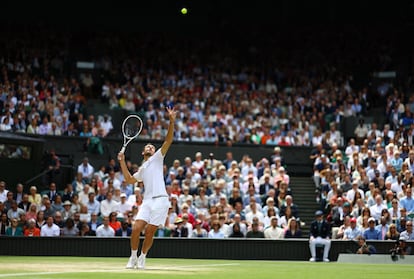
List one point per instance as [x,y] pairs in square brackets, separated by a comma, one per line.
[131,128]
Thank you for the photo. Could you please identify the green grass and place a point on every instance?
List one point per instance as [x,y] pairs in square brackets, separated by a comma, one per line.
[101,268]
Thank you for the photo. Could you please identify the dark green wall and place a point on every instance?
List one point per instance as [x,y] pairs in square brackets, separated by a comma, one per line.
[297,158]
[237,249]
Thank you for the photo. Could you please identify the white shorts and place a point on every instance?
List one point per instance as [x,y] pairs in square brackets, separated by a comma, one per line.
[154,211]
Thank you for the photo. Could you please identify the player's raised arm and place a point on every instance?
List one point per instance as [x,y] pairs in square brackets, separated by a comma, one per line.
[172,113]
[125,172]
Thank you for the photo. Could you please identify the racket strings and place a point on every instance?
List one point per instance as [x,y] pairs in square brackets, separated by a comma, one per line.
[132,127]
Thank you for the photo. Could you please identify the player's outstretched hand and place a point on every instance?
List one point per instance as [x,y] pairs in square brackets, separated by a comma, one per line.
[172,113]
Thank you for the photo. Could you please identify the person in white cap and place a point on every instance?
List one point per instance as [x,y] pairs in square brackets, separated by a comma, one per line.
[124,206]
[320,234]
[154,208]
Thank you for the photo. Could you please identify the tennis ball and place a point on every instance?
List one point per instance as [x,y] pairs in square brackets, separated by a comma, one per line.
[184,11]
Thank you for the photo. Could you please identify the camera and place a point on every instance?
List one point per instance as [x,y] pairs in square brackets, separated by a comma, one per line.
[396,251]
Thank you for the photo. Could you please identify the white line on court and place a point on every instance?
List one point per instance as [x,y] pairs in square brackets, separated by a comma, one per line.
[7,275]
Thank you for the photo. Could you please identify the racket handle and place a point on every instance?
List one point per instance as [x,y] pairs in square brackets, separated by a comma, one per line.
[122,150]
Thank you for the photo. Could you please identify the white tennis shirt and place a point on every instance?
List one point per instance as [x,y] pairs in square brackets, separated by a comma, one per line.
[151,173]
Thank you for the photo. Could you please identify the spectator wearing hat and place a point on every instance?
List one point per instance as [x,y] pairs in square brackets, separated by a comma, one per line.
[320,233]
[179,230]
[124,206]
[353,231]
[371,233]
[67,212]
[199,231]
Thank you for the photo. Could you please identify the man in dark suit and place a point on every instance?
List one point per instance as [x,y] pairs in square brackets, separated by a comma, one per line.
[25,204]
[320,232]
[124,231]
[52,191]
[265,186]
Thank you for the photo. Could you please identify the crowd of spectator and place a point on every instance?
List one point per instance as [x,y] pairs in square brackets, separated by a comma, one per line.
[209,198]
[263,90]
[268,92]
[366,189]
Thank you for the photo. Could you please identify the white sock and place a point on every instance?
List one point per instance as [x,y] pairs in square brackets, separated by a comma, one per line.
[144,255]
[134,253]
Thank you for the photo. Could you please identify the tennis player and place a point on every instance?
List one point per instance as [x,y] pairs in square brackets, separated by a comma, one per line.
[154,209]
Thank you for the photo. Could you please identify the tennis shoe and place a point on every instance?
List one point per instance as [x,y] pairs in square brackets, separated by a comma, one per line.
[141,262]
[132,262]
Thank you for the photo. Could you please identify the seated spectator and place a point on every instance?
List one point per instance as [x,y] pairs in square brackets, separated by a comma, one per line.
[35,197]
[392,233]
[293,229]
[236,233]
[269,214]
[408,234]
[255,232]
[353,231]
[215,232]
[59,220]
[105,230]
[57,204]
[4,223]
[179,230]
[85,216]
[371,233]
[199,231]
[50,228]
[32,230]
[94,224]
[85,230]
[124,231]
[113,221]
[14,229]
[14,212]
[274,231]
[40,219]
[70,229]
